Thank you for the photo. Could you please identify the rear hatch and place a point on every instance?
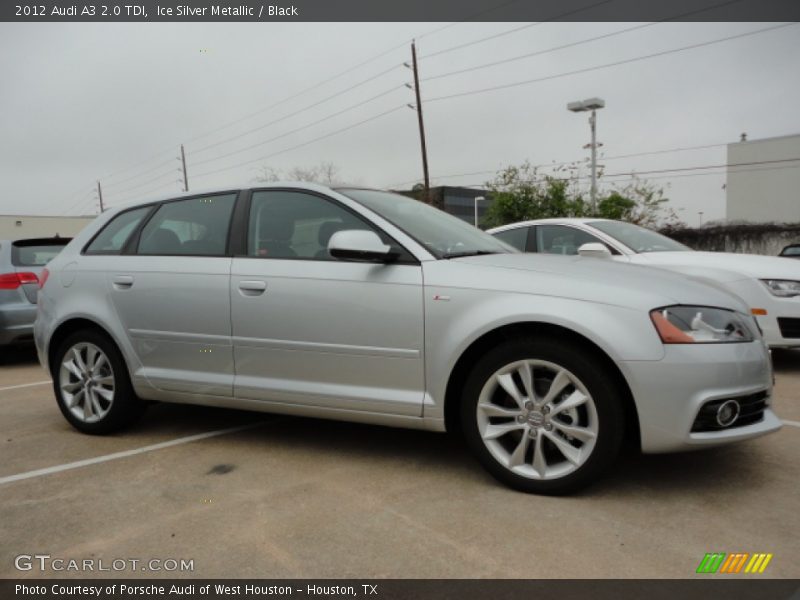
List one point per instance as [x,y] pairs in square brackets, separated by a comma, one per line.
[28,258]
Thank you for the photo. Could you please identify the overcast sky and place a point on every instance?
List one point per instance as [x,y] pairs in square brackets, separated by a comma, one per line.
[82,101]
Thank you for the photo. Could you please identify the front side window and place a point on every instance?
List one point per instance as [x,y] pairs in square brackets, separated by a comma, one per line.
[294,224]
[194,227]
[113,236]
[560,239]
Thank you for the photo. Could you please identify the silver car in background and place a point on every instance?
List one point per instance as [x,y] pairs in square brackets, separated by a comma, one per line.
[367,306]
[21,263]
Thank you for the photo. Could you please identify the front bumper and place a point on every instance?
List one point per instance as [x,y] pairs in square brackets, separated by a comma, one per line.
[670,392]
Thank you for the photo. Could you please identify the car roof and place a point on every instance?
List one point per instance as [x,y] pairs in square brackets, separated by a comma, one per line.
[560,221]
[152,199]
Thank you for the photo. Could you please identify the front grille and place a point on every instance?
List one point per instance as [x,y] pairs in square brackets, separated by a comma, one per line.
[751,410]
[790,328]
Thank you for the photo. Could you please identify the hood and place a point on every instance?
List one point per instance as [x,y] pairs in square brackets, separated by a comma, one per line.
[580,278]
[735,266]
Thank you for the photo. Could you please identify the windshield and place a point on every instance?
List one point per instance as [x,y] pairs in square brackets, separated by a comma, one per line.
[443,235]
[638,239]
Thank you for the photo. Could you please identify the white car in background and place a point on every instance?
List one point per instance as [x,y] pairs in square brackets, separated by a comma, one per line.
[769,285]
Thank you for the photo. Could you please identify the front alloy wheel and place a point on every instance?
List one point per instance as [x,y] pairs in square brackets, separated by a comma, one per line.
[543,415]
[537,419]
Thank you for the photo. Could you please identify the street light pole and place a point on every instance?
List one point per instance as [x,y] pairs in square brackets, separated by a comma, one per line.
[477,199]
[590,104]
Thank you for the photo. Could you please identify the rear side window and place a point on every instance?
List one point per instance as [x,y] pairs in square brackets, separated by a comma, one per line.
[194,227]
[35,253]
[560,239]
[114,235]
[517,237]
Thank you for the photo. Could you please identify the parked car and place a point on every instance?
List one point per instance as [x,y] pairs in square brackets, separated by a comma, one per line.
[791,251]
[364,305]
[770,286]
[21,263]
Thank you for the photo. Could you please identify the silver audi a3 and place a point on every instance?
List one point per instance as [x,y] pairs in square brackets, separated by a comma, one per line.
[364,305]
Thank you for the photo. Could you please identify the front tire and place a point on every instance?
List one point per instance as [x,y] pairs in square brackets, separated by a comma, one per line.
[92,386]
[543,416]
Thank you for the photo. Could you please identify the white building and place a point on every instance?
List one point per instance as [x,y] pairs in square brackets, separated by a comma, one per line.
[14,227]
[763,180]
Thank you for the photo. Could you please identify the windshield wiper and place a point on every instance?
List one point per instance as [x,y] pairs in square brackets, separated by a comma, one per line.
[470,253]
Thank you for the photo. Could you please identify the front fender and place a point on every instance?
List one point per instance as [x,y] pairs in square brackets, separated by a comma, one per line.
[456,318]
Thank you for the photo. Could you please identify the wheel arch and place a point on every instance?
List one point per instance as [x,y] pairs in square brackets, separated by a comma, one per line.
[67,328]
[534,329]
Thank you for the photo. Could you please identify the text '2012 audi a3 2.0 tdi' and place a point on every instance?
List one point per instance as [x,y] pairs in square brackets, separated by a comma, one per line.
[368,306]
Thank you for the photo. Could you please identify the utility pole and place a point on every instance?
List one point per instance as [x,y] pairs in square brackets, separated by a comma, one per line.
[185,178]
[593,125]
[421,124]
[100,196]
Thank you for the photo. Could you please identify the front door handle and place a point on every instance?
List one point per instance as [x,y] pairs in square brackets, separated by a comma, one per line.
[122,282]
[252,287]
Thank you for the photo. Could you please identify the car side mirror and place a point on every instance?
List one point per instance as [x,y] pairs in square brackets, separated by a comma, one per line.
[595,250]
[359,244]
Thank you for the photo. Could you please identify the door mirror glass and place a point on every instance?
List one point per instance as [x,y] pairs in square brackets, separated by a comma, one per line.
[594,249]
[358,244]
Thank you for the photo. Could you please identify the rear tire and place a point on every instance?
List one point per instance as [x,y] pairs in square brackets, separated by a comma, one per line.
[542,415]
[92,385]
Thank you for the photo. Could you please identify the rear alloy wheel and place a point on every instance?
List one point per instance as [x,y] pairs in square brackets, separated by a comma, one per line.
[86,380]
[92,384]
[542,417]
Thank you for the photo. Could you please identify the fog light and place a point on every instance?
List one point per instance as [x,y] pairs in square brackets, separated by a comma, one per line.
[727,413]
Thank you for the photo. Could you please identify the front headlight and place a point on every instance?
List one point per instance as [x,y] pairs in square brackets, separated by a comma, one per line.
[700,325]
[783,288]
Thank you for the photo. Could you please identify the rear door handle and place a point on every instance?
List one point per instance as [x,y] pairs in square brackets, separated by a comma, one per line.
[122,282]
[252,288]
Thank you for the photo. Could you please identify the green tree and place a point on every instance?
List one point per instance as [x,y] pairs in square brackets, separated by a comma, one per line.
[521,193]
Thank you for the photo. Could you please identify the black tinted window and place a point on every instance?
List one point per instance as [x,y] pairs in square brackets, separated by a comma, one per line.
[559,239]
[197,227]
[517,237]
[35,253]
[287,224]
[116,232]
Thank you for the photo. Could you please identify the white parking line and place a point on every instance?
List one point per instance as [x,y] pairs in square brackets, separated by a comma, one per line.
[24,385]
[124,454]
[792,423]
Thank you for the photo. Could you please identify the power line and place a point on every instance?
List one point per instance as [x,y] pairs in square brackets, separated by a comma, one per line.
[576,43]
[143,162]
[609,65]
[322,137]
[262,110]
[469,18]
[150,180]
[323,119]
[305,91]
[705,167]
[81,202]
[138,175]
[297,112]
[633,173]
[514,30]
[568,162]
